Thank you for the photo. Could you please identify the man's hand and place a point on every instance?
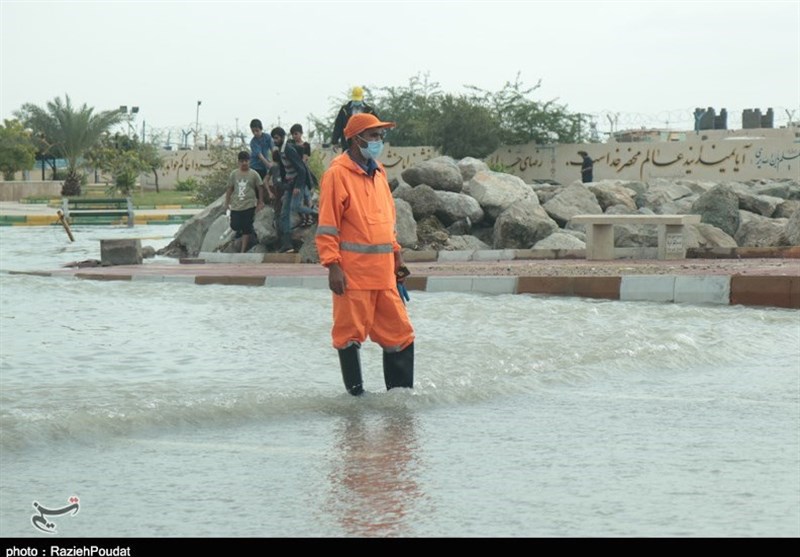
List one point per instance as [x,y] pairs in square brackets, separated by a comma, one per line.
[259,205]
[400,269]
[336,279]
[401,273]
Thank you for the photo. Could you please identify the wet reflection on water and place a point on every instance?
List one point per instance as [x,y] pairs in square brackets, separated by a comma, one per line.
[374,468]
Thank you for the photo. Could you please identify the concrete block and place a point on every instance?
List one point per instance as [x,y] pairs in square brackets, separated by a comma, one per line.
[278,258]
[773,291]
[241,258]
[230,280]
[495,285]
[457,255]
[319,282]
[596,287]
[410,256]
[449,284]
[126,251]
[92,276]
[570,254]
[707,289]
[557,286]
[647,288]
[493,255]
[417,283]
[188,279]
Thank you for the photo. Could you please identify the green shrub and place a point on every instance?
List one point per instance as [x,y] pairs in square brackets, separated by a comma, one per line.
[189,184]
[316,163]
[213,184]
[498,167]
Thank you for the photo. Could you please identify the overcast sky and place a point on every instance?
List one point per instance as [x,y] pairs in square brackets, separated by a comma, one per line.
[649,63]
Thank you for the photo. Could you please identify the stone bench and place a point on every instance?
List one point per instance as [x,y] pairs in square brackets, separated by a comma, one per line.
[671,233]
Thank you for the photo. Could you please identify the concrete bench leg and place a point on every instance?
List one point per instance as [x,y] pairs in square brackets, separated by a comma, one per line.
[672,241]
[600,241]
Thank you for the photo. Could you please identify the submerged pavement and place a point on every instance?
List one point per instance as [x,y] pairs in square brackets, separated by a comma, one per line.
[767,277]
[755,277]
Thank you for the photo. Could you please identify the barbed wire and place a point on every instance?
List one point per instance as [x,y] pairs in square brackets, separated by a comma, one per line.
[682,119]
[605,122]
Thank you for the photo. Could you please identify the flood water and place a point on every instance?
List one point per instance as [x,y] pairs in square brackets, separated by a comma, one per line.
[172,409]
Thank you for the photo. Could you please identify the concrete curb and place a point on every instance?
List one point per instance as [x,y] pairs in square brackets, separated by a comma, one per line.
[765,291]
[49,220]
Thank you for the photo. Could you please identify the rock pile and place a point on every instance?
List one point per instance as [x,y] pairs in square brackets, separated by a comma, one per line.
[444,204]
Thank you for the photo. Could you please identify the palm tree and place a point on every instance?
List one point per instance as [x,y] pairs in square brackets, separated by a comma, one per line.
[65,132]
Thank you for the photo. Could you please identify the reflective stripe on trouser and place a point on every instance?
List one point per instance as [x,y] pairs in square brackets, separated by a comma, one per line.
[377,314]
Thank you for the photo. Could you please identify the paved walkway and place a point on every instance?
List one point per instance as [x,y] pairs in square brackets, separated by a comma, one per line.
[747,276]
[773,282]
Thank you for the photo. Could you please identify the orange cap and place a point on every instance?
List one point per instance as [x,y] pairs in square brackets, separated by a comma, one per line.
[360,122]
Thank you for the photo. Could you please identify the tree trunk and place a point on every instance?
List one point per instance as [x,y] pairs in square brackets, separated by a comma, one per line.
[72,184]
[155,173]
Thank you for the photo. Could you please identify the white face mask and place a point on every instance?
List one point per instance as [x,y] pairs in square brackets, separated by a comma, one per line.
[373,149]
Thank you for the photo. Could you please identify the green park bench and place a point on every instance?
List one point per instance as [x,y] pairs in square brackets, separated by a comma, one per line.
[97,210]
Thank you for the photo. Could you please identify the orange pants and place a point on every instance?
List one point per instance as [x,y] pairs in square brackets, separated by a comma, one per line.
[378,314]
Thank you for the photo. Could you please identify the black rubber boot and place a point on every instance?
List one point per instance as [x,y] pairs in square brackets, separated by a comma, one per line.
[398,368]
[350,360]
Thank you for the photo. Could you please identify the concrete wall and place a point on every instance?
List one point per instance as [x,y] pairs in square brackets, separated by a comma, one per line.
[14,191]
[179,165]
[716,160]
[711,155]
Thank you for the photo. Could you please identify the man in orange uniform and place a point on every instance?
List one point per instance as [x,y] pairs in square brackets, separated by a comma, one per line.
[357,242]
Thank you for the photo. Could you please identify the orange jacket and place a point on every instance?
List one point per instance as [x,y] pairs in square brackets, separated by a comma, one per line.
[357,224]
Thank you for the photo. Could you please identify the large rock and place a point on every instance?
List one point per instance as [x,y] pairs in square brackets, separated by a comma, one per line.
[219,234]
[660,193]
[465,243]
[786,209]
[546,192]
[572,200]
[469,167]
[522,225]
[707,236]
[633,235]
[496,192]
[266,226]
[440,173]
[719,207]
[760,232]
[764,205]
[786,189]
[406,225]
[695,186]
[454,207]
[190,235]
[609,194]
[682,206]
[423,200]
[560,240]
[431,233]
[308,249]
[791,230]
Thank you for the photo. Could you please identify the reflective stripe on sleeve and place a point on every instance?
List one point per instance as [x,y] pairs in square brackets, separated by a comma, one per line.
[327,230]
